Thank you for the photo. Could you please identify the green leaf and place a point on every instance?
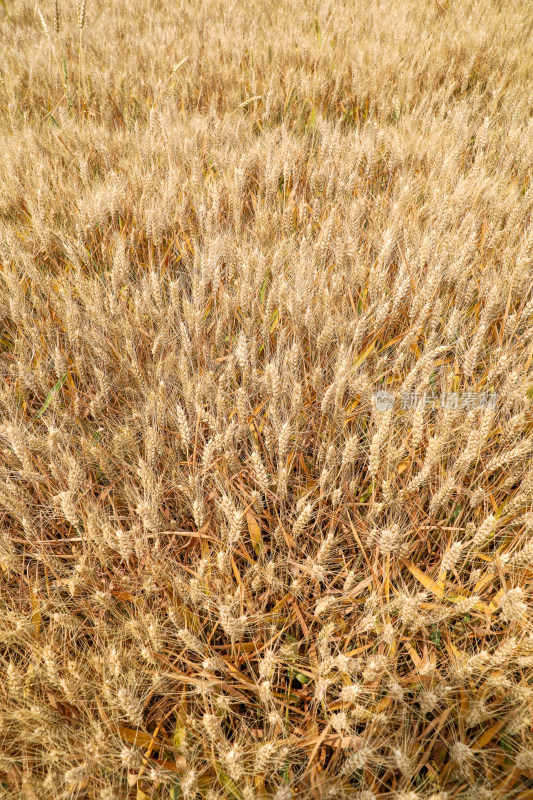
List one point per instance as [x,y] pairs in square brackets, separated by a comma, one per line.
[228,785]
[457,511]
[178,735]
[5,8]
[302,678]
[264,285]
[180,730]
[367,493]
[435,637]
[48,400]
[175,792]
[318,31]
[506,744]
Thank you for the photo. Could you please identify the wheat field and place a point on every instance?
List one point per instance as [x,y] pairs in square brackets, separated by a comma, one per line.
[266,433]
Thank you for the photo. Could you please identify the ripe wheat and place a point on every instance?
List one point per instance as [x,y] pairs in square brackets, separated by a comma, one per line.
[224,570]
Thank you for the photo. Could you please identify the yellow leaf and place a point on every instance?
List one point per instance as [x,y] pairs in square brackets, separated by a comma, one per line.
[456,598]
[433,586]
[414,655]
[139,738]
[180,730]
[204,548]
[255,533]
[489,734]
[483,582]
[453,650]
[390,342]
[495,602]
[364,354]
[350,408]
[275,321]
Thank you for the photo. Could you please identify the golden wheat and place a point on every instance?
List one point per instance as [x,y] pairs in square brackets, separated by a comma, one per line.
[266,346]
